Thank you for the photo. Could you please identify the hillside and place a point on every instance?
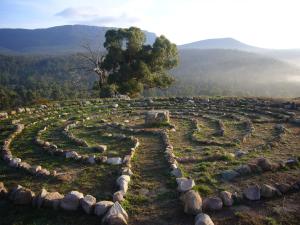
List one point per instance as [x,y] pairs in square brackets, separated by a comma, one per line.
[209,67]
[54,40]
[232,72]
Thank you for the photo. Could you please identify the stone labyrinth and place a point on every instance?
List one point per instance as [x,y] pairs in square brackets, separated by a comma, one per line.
[151,161]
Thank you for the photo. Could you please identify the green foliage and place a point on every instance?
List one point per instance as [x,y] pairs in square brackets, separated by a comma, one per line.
[133,66]
[32,79]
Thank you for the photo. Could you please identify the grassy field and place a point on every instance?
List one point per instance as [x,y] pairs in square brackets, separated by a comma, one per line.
[152,197]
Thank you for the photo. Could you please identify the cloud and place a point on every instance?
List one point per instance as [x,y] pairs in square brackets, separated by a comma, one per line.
[95,16]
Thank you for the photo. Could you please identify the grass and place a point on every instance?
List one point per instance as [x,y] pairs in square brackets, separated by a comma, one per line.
[150,169]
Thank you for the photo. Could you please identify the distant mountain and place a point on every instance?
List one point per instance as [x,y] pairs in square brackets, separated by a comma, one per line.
[220,43]
[288,55]
[232,72]
[60,39]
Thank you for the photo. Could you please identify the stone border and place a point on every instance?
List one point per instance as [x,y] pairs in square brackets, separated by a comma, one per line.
[72,201]
[91,159]
[17,162]
[260,165]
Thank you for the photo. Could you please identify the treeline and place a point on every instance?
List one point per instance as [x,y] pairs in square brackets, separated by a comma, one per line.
[32,79]
[29,79]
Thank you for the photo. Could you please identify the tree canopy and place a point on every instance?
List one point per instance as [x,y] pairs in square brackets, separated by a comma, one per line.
[130,66]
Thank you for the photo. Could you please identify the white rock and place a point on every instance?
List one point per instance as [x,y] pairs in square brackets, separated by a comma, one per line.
[116,215]
[114,161]
[203,219]
[184,184]
[71,201]
[102,207]
[87,203]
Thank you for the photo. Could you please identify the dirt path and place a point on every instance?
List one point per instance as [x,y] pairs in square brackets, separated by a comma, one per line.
[152,196]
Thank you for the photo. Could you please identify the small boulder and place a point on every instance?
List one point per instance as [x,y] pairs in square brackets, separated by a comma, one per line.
[264,164]
[192,202]
[212,203]
[40,198]
[229,175]
[243,170]
[102,207]
[23,196]
[72,155]
[268,191]
[176,172]
[87,203]
[3,191]
[226,197]
[91,160]
[71,201]
[203,219]
[252,193]
[283,188]
[116,215]
[240,153]
[52,200]
[118,196]
[100,148]
[184,184]
[114,161]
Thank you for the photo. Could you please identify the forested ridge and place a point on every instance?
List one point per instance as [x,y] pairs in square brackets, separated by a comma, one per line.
[28,79]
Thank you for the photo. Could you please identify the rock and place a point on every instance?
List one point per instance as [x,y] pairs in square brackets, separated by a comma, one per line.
[102,207]
[280,128]
[123,177]
[114,161]
[212,203]
[122,182]
[184,184]
[40,198]
[229,175]
[292,162]
[226,197]
[25,165]
[240,153]
[15,162]
[203,219]
[192,202]
[72,155]
[115,105]
[176,172]
[264,164]
[118,196]
[238,197]
[3,115]
[52,200]
[283,188]
[157,117]
[116,215]
[243,170]
[100,148]
[252,192]
[87,203]
[127,171]
[254,168]
[268,191]
[23,196]
[91,160]
[71,201]
[3,191]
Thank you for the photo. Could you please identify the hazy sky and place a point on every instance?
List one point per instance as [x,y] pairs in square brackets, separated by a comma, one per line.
[263,23]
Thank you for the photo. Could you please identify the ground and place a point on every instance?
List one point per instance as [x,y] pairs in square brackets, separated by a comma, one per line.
[201,151]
